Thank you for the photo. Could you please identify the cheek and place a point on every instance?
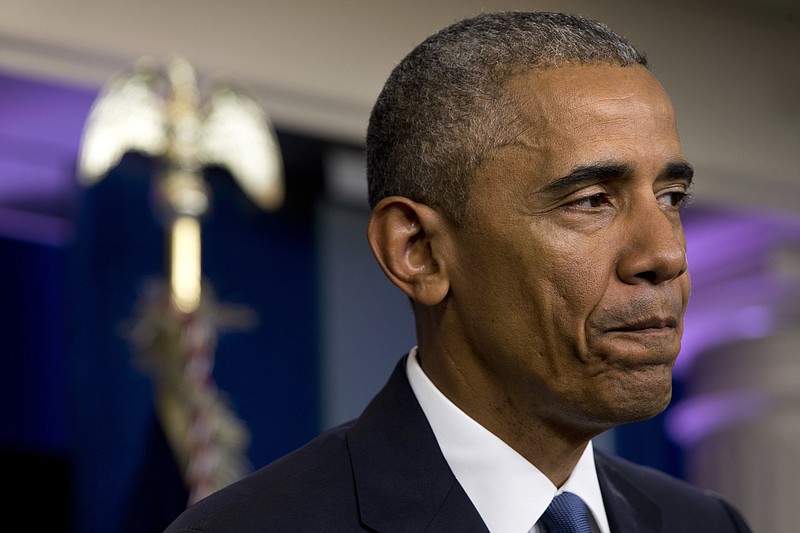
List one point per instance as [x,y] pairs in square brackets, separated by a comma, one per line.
[686,288]
[558,308]
[578,285]
[544,290]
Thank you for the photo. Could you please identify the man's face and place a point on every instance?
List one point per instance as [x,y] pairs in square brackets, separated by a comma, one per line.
[569,283]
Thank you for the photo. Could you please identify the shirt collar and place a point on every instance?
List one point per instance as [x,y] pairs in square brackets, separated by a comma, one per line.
[509,493]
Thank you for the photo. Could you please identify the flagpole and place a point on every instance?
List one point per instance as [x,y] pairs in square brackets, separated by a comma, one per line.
[160,113]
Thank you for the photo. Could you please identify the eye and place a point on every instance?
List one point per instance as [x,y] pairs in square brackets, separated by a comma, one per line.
[591,202]
[675,199]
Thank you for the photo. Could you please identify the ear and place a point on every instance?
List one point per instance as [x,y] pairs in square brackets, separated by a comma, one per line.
[407,239]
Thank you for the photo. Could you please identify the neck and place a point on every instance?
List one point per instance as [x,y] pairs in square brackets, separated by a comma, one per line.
[551,447]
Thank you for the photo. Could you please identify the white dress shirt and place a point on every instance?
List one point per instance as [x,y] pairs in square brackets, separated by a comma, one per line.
[509,493]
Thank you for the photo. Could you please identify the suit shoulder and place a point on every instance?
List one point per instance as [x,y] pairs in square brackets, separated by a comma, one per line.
[312,488]
[681,502]
[648,478]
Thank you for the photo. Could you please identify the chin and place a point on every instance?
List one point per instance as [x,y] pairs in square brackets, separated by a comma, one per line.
[643,410]
[633,398]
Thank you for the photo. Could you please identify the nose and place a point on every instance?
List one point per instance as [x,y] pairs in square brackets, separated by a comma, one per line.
[654,249]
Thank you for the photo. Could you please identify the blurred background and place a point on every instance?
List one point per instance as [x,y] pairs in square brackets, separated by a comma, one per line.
[79,438]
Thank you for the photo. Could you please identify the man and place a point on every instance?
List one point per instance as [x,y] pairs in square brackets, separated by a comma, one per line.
[526,179]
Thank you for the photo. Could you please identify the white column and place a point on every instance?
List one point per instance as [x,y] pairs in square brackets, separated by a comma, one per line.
[742,428]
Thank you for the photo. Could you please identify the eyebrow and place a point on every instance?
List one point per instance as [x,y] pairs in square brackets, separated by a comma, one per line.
[680,170]
[585,175]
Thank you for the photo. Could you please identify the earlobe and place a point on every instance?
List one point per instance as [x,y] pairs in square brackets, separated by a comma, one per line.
[405,237]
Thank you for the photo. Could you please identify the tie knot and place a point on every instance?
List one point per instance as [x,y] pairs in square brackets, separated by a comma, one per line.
[567,513]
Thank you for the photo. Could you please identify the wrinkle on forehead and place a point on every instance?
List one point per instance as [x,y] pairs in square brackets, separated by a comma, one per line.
[536,92]
[548,103]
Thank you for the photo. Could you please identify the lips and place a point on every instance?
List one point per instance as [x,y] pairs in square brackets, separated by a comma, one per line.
[651,323]
[651,312]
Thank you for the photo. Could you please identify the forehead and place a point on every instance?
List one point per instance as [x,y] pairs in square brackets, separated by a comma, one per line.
[571,99]
[571,88]
[570,116]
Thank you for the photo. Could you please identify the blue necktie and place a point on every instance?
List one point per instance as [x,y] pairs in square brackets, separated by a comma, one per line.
[567,514]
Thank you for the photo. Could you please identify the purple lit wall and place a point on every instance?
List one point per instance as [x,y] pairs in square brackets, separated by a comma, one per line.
[40,128]
[739,290]
[744,287]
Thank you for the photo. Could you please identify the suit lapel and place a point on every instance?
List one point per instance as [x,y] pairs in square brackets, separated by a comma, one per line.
[402,480]
[627,507]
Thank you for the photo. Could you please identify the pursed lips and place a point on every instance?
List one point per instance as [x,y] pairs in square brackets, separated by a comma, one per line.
[651,324]
[653,313]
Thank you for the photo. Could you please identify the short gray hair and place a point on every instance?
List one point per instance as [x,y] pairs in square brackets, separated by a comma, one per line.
[443,105]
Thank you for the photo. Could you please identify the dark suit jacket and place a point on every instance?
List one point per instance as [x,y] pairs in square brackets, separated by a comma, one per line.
[384,472]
